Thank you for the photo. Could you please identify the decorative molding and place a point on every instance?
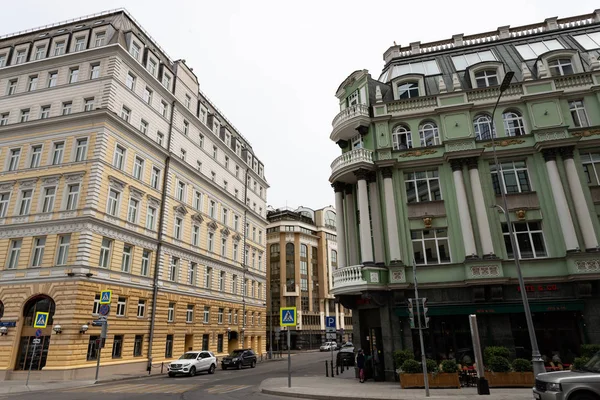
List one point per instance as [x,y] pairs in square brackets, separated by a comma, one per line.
[348,189]
[51,180]
[338,186]
[153,201]
[180,210]
[28,183]
[198,218]
[521,215]
[567,152]
[549,154]
[237,237]
[417,153]
[397,275]
[586,133]
[472,162]
[427,222]
[372,177]
[361,174]
[460,146]
[116,184]
[225,232]
[136,193]
[588,266]
[8,185]
[506,142]
[20,220]
[75,178]
[384,155]
[548,136]
[68,214]
[487,271]
[289,237]
[212,226]
[387,172]
[456,164]
[374,277]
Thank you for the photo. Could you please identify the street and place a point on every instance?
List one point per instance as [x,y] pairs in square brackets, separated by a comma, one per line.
[229,384]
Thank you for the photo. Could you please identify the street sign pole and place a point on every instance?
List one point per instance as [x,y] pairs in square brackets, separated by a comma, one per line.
[423,358]
[31,362]
[103,334]
[289,359]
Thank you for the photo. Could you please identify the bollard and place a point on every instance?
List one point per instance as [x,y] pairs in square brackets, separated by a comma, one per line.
[332,370]
[343,362]
[326,369]
[162,364]
[337,369]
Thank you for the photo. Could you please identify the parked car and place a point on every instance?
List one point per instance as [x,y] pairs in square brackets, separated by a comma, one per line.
[192,362]
[346,355]
[239,358]
[579,384]
[328,346]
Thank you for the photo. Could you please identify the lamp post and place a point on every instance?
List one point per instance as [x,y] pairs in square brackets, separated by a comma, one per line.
[538,363]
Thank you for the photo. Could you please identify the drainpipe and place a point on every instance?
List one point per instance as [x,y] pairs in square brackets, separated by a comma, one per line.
[245,261]
[163,199]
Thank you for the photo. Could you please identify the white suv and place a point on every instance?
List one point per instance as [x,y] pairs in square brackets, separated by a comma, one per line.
[193,362]
[328,346]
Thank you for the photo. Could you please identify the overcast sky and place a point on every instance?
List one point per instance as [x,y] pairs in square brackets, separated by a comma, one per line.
[272,67]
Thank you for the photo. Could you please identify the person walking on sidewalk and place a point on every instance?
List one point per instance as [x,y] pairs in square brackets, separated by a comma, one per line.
[360,364]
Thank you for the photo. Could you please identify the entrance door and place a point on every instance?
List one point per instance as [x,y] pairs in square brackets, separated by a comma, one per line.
[30,354]
[189,342]
[376,353]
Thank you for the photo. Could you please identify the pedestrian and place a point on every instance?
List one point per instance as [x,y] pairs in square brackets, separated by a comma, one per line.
[360,364]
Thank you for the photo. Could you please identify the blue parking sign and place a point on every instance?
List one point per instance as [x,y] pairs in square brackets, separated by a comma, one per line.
[330,322]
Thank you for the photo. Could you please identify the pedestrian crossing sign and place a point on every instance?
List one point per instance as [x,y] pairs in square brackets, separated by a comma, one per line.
[41,320]
[105,296]
[287,316]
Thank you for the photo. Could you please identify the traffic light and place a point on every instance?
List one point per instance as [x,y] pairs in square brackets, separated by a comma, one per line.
[424,311]
[411,314]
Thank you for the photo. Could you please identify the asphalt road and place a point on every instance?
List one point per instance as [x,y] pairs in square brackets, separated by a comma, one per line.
[223,385]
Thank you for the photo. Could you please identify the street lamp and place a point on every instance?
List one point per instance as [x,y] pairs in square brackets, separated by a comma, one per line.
[538,363]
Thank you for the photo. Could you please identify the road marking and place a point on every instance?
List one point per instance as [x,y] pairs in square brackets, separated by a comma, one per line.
[139,388]
[221,389]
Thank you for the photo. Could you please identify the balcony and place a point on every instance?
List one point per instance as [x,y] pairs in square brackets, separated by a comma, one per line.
[348,120]
[342,167]
[348,280]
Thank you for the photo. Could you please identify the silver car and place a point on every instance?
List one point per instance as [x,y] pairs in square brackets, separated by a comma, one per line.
[583,384]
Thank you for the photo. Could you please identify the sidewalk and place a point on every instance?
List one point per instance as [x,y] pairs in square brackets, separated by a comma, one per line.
[329,389]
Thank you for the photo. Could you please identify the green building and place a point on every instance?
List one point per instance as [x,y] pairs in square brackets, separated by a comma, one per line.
[416,181]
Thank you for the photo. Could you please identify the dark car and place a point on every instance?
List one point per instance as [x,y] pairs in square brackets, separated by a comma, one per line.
[346,355]
[239,358]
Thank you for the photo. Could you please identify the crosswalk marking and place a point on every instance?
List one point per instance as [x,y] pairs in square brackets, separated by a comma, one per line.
[221,389]
[139,388]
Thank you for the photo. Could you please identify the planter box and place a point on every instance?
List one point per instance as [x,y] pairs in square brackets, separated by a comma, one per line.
[440,380]
[510,379]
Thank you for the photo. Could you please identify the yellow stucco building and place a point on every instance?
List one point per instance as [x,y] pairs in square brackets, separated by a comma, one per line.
[118,174]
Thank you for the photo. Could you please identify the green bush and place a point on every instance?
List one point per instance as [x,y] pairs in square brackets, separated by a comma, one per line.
[588,350]
[411,367]
[495,351]
[522,365]
[498,364]
[449,366]
[432,366]
[402,355]
[579,362]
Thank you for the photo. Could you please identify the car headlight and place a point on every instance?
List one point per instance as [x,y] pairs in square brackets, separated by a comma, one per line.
[235,360]
[553,387]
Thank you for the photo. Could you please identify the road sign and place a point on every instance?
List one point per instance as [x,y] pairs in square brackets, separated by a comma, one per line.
[8,324]
[330,336]
[287,316]
[104,309]
[105,296]
[38,333]
[98,322]
[41,320]
[36,341]
[330,324]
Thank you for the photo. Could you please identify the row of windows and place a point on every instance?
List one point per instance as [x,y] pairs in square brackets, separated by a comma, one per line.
[55,155]
[34,82]
[36,257]
[47,200]
[45,111]
[514,125]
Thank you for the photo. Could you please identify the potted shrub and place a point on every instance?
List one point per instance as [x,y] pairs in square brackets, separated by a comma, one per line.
[501,374]
[412,375]
[399,357]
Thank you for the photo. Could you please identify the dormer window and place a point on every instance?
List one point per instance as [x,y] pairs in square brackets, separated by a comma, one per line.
[560,66]
[408,90]
[401,138]
[486,78]
[135,50]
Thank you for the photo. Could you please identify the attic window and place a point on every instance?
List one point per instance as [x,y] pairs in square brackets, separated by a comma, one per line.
[44,34]
[79,26]
[98,22]
[61,30]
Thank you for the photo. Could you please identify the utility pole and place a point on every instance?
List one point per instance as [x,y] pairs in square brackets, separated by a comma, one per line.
[423,358]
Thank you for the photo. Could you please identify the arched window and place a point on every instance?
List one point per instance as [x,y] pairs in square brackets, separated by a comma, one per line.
[39,303]
[304,251]
[407,90]
[334,257]
[329,218]
[486,78]
[275,250]
[401,138]
[560,66]
[513,123]
[290,268]
[429,134]
[483,127]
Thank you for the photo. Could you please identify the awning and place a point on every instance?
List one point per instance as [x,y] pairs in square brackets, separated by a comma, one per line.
[497,308]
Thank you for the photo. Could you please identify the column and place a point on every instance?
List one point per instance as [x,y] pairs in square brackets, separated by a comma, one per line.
[463,210]
[376,218]
[560,200]
[483,224]
[582,210]
[366,248]
[352,244]
[338,187]
[392,218]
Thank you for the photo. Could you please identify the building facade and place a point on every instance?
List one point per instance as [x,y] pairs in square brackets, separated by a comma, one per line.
[417,183]
[301,256]
[119,174]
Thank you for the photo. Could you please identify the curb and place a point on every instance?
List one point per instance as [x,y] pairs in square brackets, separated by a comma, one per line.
[312,396]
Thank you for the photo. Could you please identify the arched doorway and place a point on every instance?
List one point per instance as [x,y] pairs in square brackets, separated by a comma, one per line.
[26,352]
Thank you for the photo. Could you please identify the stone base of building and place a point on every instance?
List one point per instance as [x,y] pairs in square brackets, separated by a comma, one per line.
[82,373]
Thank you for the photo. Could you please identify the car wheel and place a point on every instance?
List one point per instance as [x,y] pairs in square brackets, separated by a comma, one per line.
[212,368]
[239,366]
[171,375]
[253,364]
[193,371]
[583,396]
